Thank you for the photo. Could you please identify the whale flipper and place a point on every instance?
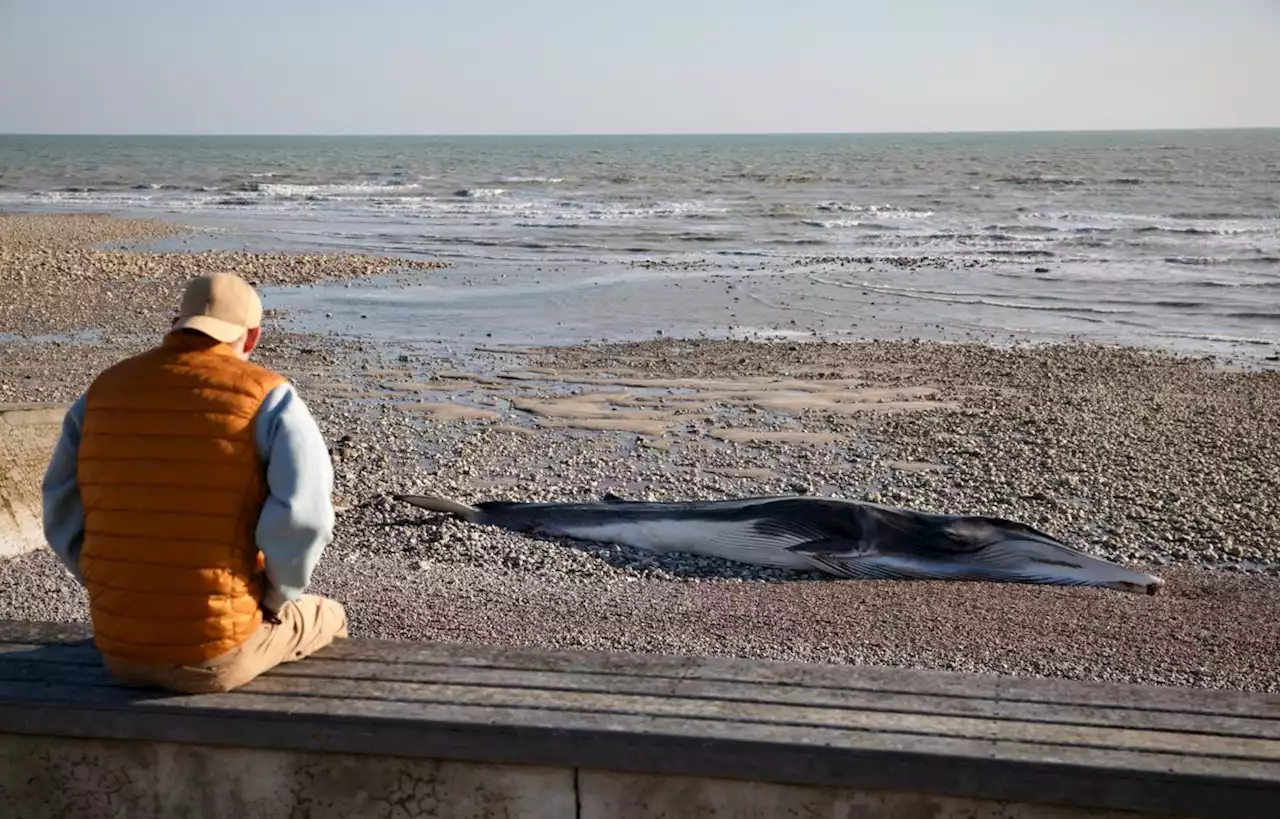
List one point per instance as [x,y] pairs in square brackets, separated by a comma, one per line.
[443,505]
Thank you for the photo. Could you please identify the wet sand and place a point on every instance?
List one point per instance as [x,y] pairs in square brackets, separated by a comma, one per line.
[1161,463]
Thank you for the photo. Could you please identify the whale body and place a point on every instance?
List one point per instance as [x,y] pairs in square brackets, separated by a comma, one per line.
[845,538]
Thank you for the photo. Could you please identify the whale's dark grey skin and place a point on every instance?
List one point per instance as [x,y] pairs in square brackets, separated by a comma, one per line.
[848,539]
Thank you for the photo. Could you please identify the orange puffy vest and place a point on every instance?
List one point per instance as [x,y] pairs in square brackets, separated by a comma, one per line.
[172,486]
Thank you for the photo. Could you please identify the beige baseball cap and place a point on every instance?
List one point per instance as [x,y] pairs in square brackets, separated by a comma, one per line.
[221,305]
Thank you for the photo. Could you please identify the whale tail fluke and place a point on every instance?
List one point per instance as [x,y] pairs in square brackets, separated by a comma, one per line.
[442,505]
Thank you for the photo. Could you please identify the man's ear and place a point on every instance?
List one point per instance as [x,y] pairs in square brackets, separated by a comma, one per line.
[251,337]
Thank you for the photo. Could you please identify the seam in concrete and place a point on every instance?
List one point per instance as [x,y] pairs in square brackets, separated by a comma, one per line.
[577,793]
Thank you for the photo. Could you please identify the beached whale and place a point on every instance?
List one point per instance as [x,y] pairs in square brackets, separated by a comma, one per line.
[848,539]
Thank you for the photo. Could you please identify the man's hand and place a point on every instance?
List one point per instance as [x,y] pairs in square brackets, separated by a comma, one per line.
[269,614]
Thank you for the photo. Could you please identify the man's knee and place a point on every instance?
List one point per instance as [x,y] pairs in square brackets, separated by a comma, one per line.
[321,620]
[325,610]
[337,613]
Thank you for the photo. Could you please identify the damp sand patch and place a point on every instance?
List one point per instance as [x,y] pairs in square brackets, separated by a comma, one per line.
[509,428]
[336,387]
[637,425]
[654,405]
[605,412]
[786,436]
[427,386]
[587,405]
[445,411]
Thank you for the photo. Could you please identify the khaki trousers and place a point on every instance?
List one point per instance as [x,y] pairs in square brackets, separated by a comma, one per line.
[305,627]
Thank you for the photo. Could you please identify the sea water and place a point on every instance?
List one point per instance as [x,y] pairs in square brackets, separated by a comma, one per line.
[1170,239]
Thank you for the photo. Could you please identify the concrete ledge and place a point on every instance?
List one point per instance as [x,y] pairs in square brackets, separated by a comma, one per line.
[28,434]
[56,777]
[52,778]
[625,735]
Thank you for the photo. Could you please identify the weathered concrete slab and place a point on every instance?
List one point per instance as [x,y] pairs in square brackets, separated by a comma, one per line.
[53,778]
[610,795]
[50,778]
[28,433]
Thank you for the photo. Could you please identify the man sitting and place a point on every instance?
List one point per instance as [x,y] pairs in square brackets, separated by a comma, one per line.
[190,494]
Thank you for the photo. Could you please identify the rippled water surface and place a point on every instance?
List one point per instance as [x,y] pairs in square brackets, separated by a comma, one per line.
[1165,237]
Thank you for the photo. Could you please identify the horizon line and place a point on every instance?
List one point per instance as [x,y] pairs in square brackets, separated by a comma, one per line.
[998,131]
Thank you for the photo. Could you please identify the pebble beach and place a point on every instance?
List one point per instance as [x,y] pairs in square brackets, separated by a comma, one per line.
[1167,464]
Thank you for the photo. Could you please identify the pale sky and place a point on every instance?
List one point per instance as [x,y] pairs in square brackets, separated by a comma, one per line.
[609,66]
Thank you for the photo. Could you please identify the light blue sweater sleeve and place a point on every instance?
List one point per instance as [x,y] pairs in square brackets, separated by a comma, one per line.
[297,519]
[62,509]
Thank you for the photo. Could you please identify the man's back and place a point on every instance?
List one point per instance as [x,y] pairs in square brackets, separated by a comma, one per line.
[172,486]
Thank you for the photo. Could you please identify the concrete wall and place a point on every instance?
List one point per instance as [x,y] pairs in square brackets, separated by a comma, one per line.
[605,794]
[28,433]
[50,778]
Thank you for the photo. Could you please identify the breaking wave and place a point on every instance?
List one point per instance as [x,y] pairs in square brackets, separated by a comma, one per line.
[1213,261]
[882,211]
[480,193]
